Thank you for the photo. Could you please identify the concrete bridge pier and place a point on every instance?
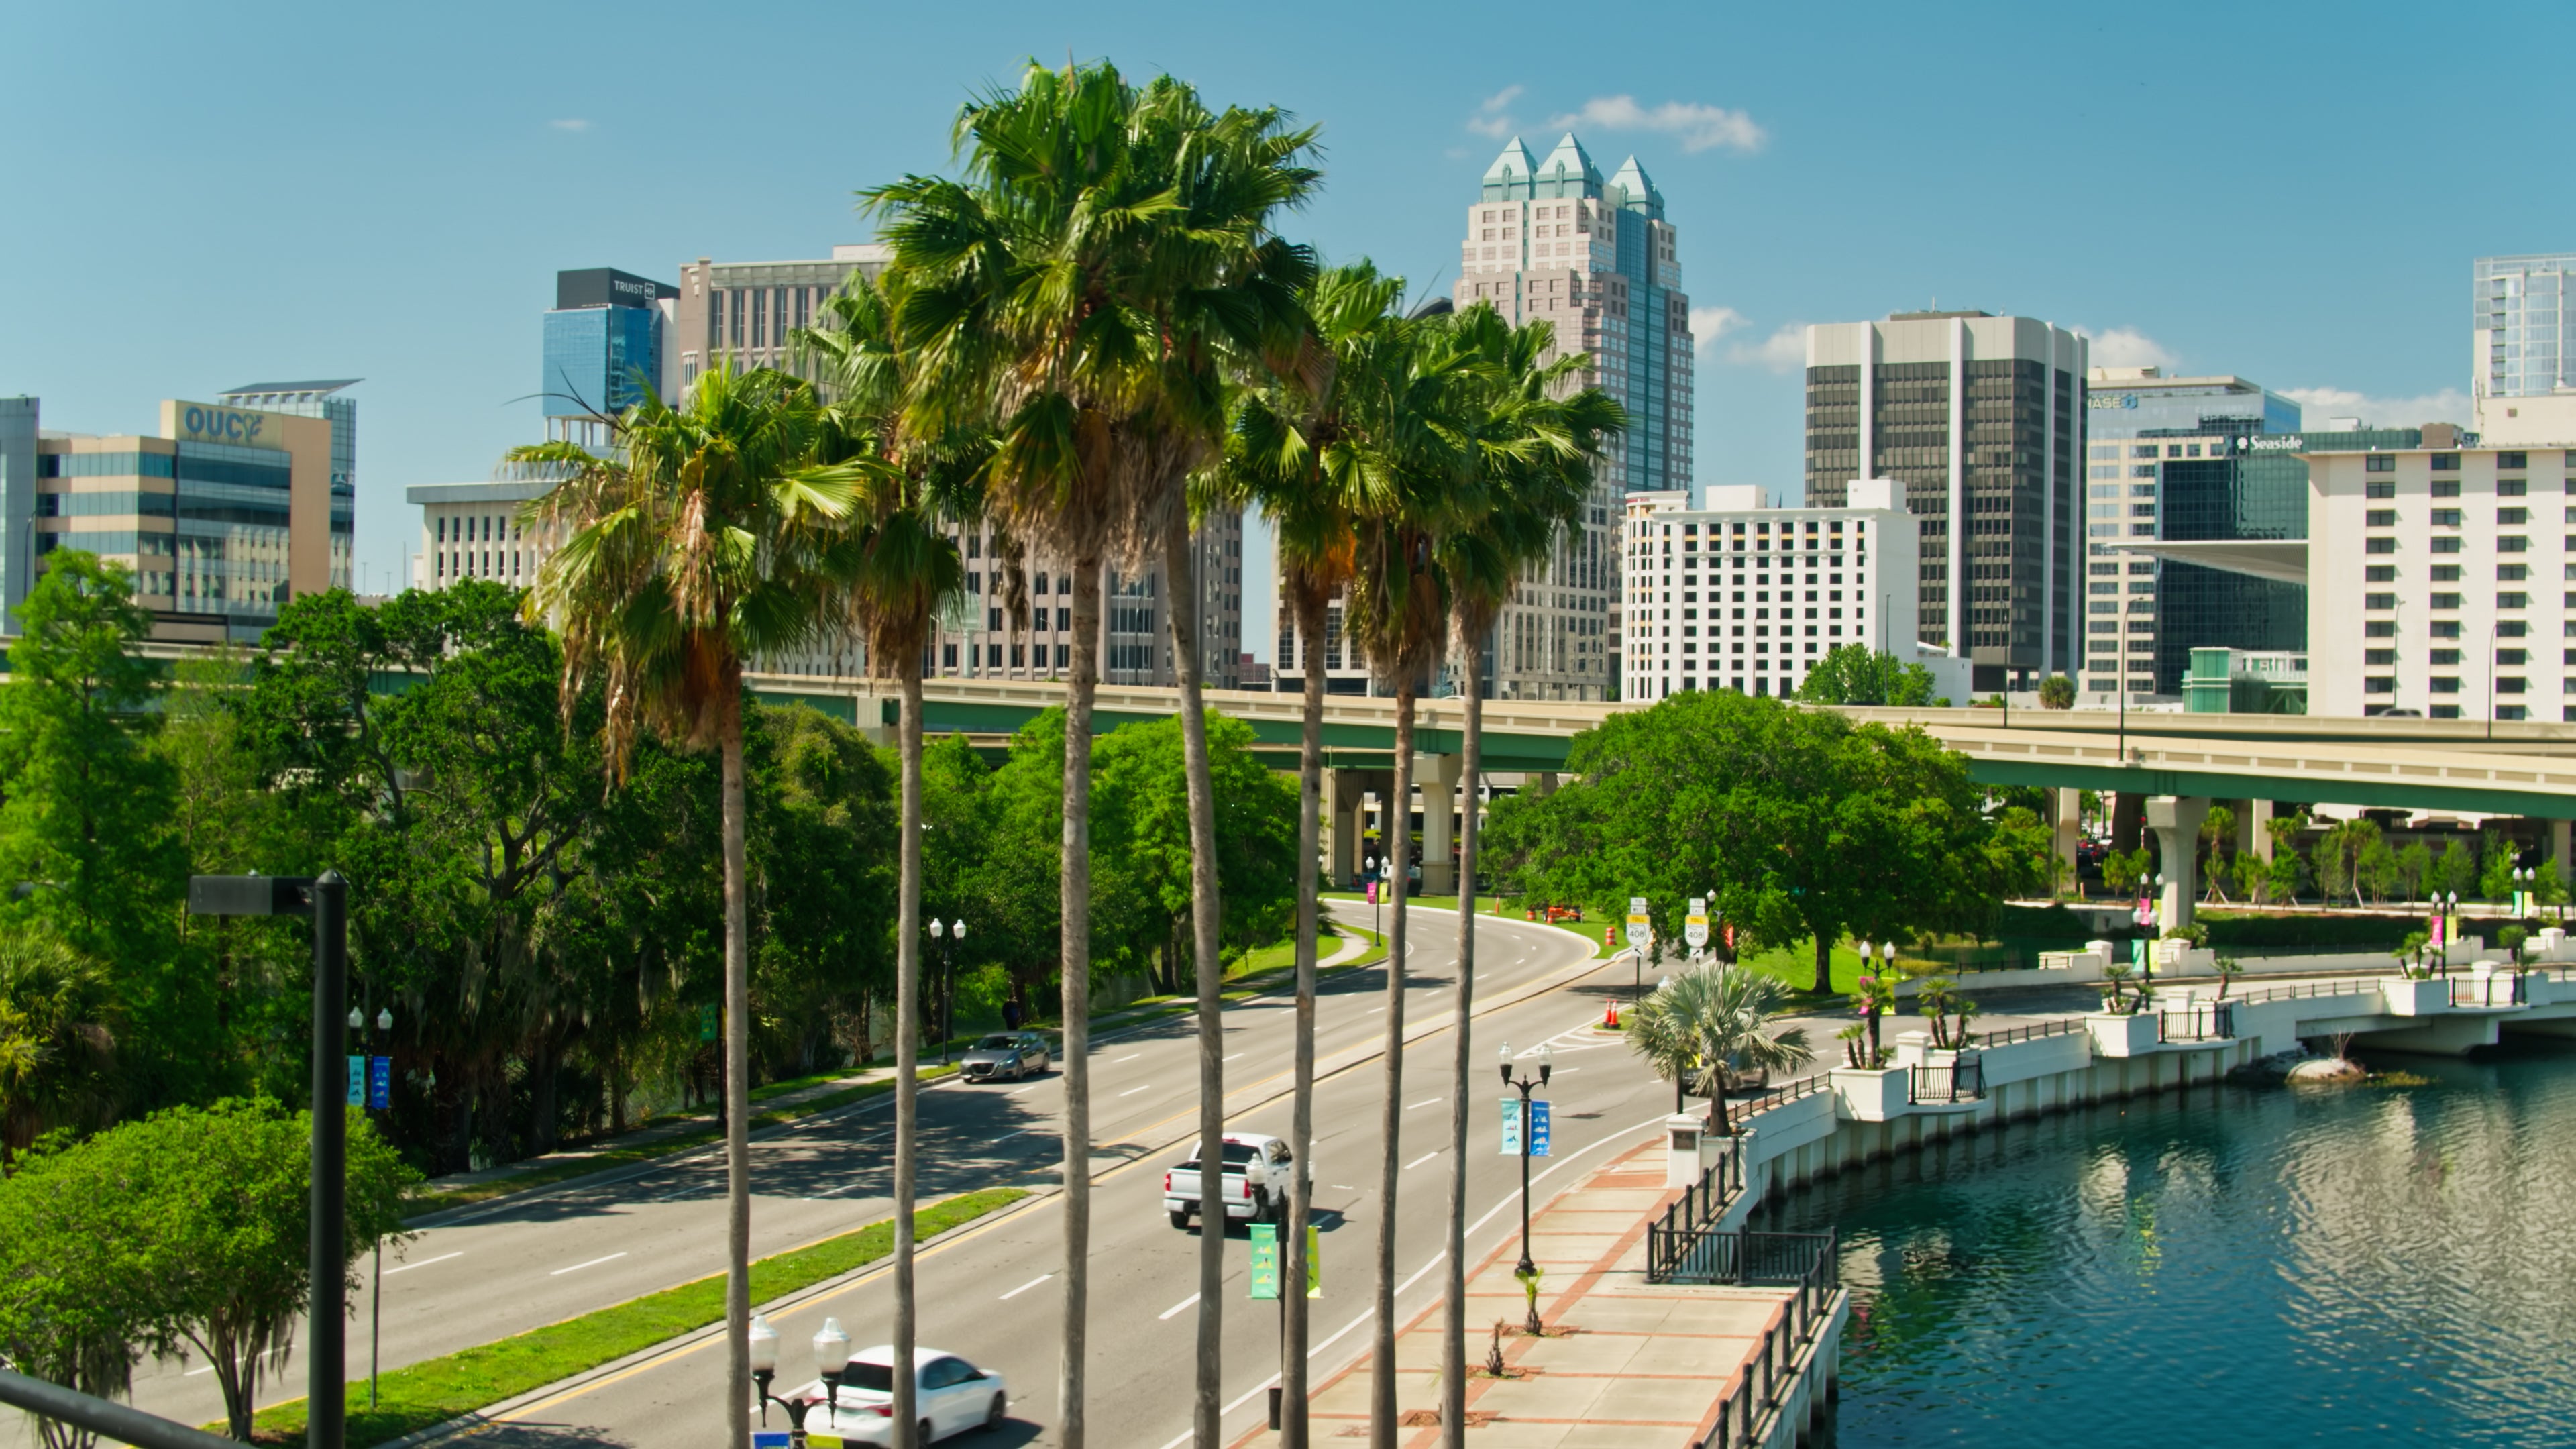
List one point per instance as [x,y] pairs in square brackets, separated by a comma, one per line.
[1437,775]
[2558,840]
[2254,829]
[1344,790]
[2176,821]
[2068,828]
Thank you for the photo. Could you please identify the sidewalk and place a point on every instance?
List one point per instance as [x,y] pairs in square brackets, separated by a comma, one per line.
[1625,1363]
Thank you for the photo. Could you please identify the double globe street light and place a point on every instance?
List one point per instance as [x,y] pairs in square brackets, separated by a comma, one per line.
[1546,1061]
[948,937]
[831,1356]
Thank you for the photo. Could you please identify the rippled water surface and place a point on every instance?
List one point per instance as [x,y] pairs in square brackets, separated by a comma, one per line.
[2371,1265]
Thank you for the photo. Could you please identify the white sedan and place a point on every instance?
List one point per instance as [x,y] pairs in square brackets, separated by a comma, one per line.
[950,1394]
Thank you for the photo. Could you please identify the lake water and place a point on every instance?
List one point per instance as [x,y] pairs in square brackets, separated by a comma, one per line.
[2370,1265]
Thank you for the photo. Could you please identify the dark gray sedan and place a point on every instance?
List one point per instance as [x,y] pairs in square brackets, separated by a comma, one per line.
[1014,1054]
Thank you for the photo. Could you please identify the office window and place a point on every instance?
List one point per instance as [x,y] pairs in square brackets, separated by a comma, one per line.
[2511,628]
[2446,487]
[2380,488]
[2446,601]
[2444,658]
[2442,518]
[2379,684]
[2513,658]
[2512,487]
[2381,629]
[2380,573]
[2444,629]
[2378,658]
[2512,542]
[2512,462]
[2446,462]
[2509,684]
[2380,463]
[2513,601]
[2387,517]
[2379,601]
[2513,573]
[2512,517]
[2442,543]
[2389,545]
[2446,711]
[2446,573]
[2444,683]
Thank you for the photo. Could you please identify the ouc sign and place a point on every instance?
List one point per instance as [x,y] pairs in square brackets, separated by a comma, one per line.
[206,423]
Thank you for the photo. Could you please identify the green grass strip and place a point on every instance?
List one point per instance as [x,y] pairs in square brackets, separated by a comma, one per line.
[436,1390]
[551,1173]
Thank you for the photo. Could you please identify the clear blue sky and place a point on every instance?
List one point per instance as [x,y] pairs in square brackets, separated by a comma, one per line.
[203,196]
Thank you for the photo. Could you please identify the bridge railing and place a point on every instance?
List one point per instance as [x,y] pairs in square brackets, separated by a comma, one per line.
[1806,1261]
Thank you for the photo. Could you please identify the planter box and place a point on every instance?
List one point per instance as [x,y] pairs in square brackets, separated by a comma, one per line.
[2115,1035]
[2416,998]
[1871,1094]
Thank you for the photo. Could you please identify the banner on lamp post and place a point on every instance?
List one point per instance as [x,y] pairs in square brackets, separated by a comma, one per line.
[1511,1127]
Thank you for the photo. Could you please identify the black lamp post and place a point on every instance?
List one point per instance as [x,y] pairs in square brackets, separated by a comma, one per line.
[831,1355]
[326,900]
[948,937]
[1546,1061]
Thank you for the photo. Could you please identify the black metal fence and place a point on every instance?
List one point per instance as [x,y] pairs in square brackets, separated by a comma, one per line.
[1675,1237]
[2491,990]
[2005,1035]
[1963,1080]
[2215,1022]
[1806,1261]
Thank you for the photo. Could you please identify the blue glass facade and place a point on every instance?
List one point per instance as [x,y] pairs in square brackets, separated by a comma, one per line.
[600,361]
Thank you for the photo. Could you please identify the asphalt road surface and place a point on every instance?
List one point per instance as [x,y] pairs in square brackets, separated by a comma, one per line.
[505,1267]
[991,1292]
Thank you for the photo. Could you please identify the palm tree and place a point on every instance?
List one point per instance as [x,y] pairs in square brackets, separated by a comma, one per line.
[1711,1024]
[1536,447]
[57,1035]
[905,564]
[1415,482]
[1105,256]
[1297,453]
[693,546]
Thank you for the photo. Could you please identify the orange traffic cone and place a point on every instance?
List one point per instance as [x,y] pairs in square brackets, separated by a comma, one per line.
[1612,1020]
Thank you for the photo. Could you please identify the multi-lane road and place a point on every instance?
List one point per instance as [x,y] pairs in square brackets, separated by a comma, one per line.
[989,1292]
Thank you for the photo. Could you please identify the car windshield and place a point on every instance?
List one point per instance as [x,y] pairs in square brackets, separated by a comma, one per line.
[874,1376]
[997,1044]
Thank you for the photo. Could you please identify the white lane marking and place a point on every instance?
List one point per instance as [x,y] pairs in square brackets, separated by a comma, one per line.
[1478,1226]
[1237,1054]
[1377,1011]
[1166,1314]
[1015,1091]
[1426,1157]
[1131,1056]
[1025,1287]
[425,1262]
[1132,1091]
[1344,1187]
[1426,1102]
[593,1263]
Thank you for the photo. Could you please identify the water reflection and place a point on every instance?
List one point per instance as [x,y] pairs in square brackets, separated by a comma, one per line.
[2376,1265]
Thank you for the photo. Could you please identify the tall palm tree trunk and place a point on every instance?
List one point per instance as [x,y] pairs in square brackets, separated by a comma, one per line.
[737,1043]
[1453,1324]
[907,1054]
[1301,1120]
[1398,816]
[1074,901]
[1180,576]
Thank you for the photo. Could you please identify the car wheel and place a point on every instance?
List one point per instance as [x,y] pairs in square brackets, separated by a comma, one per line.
[926,1435]
[1180,1220]
[1001,1410]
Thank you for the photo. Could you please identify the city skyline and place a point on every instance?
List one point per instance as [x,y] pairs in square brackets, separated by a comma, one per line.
[1785,194]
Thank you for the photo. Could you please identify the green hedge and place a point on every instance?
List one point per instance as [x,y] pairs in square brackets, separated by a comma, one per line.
[2354,932]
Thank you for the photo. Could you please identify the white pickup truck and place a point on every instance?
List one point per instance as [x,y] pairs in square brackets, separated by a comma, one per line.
[1255,1184]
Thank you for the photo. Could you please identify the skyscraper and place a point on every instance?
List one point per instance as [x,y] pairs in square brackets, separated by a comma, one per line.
[603,349]
[320,399]
[1553,240]
[1982,418]
[2522,323]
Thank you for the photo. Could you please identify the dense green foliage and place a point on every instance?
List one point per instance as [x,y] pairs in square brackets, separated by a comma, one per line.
[1858,674]
[1797,824]
[183,1234]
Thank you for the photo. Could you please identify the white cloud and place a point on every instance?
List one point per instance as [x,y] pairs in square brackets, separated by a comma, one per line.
[1700,127]
[1708,324]
[570,125]
[1490,118]
[2126,347]
[2450,405]
[1782,351]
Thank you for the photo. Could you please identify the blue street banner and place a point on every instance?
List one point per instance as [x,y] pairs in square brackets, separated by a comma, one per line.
[770,1439]
[357,1081]
[1511,1126]
[1264,1277]
[1538,1129]
[380,1083]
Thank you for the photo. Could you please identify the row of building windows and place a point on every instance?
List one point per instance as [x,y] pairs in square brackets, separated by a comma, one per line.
[106,465]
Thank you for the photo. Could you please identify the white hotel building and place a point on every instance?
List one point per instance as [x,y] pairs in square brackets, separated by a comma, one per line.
[1743,597]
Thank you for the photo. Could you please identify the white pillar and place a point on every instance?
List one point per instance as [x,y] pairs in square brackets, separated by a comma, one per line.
[2558,839]
[2070,830]
[2176,819]
[1438,777]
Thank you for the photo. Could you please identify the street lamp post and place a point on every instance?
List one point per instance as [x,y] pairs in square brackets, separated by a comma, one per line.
[831,1355]
[326,899]
[1546,1061]
[948,940]
[376,1292]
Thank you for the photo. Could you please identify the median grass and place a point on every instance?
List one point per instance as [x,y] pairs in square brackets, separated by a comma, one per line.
[436,1390]
[609,1159]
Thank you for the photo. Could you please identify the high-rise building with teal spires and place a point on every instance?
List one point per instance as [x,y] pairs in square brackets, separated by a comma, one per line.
[1553,240]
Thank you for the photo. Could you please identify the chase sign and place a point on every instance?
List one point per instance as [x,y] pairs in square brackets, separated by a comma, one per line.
[241,427]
